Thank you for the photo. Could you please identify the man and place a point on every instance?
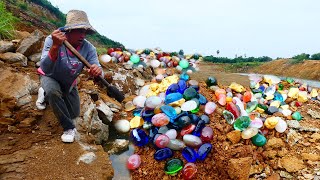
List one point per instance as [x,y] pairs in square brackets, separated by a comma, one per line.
[61,68]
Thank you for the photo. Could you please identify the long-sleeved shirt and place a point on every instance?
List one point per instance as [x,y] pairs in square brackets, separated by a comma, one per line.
[66,68]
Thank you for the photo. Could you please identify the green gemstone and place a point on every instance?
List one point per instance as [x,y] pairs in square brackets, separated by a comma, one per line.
[290,80]
[262,106]
[280,86]
[242,123]
[251,106]
[173,166]
[297,116]
[259,140]
[189,93]
[228,116]
[195,110]
[211,81]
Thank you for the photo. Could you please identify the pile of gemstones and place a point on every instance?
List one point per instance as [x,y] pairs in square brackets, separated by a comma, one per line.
[172,116]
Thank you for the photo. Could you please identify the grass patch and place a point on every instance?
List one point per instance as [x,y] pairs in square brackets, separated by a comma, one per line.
[241,66]
[7,21]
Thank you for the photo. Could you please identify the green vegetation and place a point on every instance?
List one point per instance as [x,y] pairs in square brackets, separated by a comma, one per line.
[101,50]
[103,41]
[54,10]
[236,60]
[23,5]
[7,21]
[241,66]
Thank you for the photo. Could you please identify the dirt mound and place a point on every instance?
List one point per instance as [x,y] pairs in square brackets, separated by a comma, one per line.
[309,69]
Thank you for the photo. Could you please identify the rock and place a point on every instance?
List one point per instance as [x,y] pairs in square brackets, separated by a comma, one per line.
[35,57]
[311,157]
[139,82]
[10,57]
[285,175]
[314,114]
[270,154]
[87,158]
[234,136]
[89,122]
[32,44]
[275,143]
[292,163]
[118,146]
[239,168]
[6,46]
[274,176]
[28,122]
[256,169]
[293,124]
[106,113]
[315,137]
[293,137]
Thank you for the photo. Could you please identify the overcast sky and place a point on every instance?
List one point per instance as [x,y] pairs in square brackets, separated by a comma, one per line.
[275,28]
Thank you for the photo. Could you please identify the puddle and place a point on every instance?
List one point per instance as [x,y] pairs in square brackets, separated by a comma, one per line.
[119,159]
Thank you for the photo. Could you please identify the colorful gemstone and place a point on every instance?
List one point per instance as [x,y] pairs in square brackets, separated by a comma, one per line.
[242,123]
[189,154]
[173,166]
[189,171]
[139,137]
[203,151]
[133,162]
[259,140]
[206,134]
[162,154]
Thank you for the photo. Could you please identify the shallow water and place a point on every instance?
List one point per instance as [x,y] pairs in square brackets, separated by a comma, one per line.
[119,164]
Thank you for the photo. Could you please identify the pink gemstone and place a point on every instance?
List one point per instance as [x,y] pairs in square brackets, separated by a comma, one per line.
[162,141]
[222,99]
[134,161]
[189,171]
[207,134]
[160,119]
[187,130]
[210,107]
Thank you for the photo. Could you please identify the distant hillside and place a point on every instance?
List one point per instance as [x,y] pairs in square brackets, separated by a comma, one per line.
[42,15]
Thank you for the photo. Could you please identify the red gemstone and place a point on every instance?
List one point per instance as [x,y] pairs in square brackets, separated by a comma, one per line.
[110,50]
[133,162]
[247,96]
[207,134]
[189,171]
[298,104]
[188,129]
[162,141]
[233,109]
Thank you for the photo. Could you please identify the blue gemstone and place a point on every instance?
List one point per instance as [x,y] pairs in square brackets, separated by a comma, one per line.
[172,89]
[194,118]
[169,111]
[278,97]
[174,125]
[203,151]
[162,154]
[262,88]
[199,127]
[189,154]
[147,115]
[172,98]
[202,99]
[183,121]
[153,131]
[184,76]
[137,112]
[205,118]
[182,86]
[139,137]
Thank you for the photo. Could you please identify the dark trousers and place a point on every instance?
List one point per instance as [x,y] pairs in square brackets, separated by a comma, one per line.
[65,106]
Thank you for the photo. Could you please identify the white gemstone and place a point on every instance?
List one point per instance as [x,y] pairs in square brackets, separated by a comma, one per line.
[192,140]
[172,134]
[189,105]
[281,126]
[122,125]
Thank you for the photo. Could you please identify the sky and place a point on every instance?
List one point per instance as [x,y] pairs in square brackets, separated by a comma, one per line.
[274,28]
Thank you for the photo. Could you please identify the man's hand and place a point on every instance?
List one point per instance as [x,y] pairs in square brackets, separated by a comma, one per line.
[58,37]
[95,70]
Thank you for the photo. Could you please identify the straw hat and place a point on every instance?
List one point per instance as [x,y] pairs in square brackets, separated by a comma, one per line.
[77,19]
